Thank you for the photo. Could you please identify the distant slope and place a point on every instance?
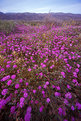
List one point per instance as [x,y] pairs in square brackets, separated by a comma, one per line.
[38,16]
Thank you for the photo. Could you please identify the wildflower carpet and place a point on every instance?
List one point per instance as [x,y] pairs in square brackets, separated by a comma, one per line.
[40,74]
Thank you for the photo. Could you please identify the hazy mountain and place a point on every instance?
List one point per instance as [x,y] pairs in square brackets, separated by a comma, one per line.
[38,16]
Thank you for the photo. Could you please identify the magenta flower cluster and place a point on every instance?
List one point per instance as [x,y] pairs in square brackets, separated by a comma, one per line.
[28,114]
[40,68]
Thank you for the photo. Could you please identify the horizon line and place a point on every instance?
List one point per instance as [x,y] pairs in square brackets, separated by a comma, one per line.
[40,12]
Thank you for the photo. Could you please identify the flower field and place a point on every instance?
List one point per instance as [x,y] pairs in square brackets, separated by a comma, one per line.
[40,74]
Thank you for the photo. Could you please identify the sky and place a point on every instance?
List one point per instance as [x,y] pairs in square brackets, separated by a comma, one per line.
[40,6]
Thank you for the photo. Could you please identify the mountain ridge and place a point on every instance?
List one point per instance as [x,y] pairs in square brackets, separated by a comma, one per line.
[38,16]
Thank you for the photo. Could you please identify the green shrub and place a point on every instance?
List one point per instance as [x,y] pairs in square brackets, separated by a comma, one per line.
[7,27]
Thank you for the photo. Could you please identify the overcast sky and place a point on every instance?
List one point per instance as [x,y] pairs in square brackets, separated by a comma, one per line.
[41,6]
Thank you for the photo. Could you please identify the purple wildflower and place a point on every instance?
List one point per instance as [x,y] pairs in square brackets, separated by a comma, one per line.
[14,66]
[17,71]
[53,86]
[65,60]
[13,76]
[7,66]
[72,107]
[68,86]
[36,101]
[8,99]
[2,69]
[29,69]
[47,83]
[21,80]
[9,82]
[78,65]
[77,70]
[51,67]
[43,65]
[45,86]
[41,74]
[74,80]
[26,83]
[66,101]
[12,110]
[48,100]
[4,91]
[2,103]
[63,74]
[57,94]
[25,94]
[34,91]
[28,114]
[6,78]
[39,87]
[68,95]
[74,74]
[22,101]
[16,91]
[31,101]
[17,86]
[41,108]
[60,110]
[78,105]
[8,62]
[43,92]
[21,104]
[57,87]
